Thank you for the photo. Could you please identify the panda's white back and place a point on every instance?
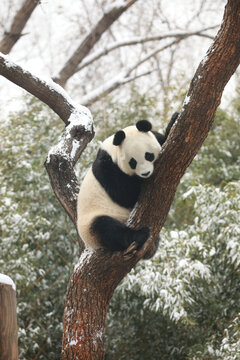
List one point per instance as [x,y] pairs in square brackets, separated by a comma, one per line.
[93,201]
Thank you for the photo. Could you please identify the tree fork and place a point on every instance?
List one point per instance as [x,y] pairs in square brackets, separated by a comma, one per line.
[185,139]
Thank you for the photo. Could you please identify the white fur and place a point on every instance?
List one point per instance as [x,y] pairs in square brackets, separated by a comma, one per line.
[93,201]
[135,145]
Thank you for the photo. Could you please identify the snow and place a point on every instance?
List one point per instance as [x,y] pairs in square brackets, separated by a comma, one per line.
[118,4]
[80,115]
[84,258]
[186,101]
[4,279]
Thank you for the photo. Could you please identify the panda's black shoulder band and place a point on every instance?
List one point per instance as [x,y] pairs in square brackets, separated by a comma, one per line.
[144,125]
[119,137]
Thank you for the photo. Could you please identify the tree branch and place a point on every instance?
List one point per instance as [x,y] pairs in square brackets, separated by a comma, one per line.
[108,18]
[20,19]
[80,340]
[193,125]
[79,131]
[123,77]
[141,40]
[47,91]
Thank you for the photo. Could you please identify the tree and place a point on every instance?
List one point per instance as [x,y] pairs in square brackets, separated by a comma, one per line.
[98,273]
[15,32]
[99,40]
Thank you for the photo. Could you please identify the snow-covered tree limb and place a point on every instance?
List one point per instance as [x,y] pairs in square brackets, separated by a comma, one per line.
[141,40]
[110,15]
[47,91]
[79,131]
[12,35]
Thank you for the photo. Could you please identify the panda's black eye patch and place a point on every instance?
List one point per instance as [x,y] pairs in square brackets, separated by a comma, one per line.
[133,163]
[149,156]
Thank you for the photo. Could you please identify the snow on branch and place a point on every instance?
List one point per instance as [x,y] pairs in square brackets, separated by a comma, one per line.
[111,14]
[141,40]
[78,132]
[47,91]
[61,160]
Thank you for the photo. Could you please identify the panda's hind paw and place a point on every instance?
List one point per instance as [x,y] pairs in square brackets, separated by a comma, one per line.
[141,236]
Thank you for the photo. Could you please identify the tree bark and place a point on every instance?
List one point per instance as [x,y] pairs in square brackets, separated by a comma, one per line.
[8,322]
[94,280]
[20,19]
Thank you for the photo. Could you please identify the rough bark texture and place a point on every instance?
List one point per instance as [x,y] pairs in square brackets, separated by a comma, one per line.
[108,18]
[8,323]
[93,282]
[15,32]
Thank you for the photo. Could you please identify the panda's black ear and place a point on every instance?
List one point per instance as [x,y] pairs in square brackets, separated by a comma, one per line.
[144,125]
[119,137]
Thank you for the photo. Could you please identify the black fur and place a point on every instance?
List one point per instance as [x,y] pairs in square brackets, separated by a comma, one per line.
[122,188]
[115,236]
[144,125]
[119,137]
[162,138]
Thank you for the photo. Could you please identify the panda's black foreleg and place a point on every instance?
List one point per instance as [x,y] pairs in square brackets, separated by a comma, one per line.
[116,236]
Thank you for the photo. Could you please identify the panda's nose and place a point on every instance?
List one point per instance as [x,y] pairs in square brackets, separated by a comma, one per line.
[146,174]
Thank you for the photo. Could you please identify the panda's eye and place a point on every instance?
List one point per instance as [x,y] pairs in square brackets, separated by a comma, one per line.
[149,156]
[133,163]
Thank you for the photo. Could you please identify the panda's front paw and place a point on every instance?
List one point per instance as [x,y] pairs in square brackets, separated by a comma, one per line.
[141,236]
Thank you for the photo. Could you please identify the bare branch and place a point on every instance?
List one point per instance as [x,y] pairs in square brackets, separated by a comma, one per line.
[122,78]
[108,18]
[141,40]
[20,19]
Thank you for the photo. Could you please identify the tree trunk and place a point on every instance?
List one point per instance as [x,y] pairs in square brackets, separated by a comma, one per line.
[8,320]
[94,280]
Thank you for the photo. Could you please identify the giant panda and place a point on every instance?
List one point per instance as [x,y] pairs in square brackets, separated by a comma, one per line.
[112,186]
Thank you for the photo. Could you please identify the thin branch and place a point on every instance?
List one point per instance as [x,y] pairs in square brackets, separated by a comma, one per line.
[140,40]
[20,19]
[123,77]
[108,18]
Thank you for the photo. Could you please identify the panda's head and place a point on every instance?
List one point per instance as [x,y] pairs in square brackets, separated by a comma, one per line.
[134,149]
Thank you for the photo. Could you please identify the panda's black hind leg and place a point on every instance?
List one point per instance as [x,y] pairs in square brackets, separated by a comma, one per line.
[115,236]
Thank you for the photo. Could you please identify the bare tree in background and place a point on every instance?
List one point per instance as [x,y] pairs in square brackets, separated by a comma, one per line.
[86,56]
[12,35]
[98,273]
